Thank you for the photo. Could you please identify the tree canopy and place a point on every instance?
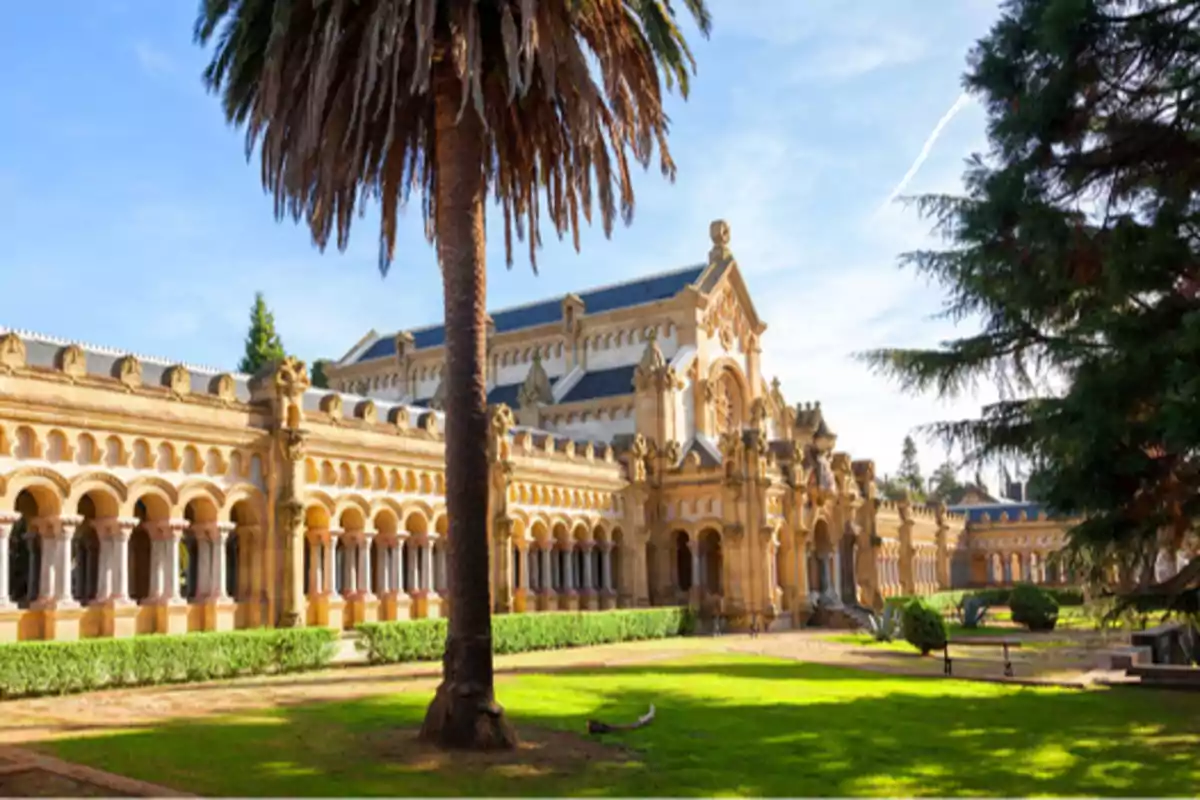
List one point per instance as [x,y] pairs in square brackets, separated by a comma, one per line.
[1074,246]
[262,342]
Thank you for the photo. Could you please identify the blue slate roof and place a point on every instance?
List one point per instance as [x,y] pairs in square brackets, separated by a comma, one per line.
[595,301]
[506,394]
[1001,512]
[602,383]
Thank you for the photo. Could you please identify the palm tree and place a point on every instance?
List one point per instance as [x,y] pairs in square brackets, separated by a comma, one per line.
[350,100]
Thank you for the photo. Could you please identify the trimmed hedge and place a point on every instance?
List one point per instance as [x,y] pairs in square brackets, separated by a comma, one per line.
[41,668]
[425,639]
[994,596]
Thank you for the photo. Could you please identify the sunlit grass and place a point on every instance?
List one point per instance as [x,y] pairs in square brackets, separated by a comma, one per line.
[726,725]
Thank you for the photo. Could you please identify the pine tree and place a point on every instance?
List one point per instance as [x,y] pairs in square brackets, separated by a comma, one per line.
[262,343]
[1076,244]
[317,374]
[909,474]
[944,486]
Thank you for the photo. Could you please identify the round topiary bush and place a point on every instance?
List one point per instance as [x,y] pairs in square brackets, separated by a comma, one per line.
[1032,607]
[924,628]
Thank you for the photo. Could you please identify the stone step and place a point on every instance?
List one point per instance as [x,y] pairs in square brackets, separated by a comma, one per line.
[1119,658]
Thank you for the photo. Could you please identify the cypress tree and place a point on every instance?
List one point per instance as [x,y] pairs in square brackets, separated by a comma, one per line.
[317,375]
[909,474]
[1075,244]
[262,342]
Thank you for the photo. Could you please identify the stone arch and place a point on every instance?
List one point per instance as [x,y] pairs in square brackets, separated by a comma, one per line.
[328,473]
[28,445]
[57,447]
[322,499]
[87,452]
[49,488]
[201,488]
[115,452]
[97,481]
[419,509]
[191,463]
[681,553]
[354,502]
[25,545]
[144,486]
[712,561]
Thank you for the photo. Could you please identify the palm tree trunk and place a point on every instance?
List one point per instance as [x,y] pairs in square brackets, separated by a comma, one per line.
[464,713]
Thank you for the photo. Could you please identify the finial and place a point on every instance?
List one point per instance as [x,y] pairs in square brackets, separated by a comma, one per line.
[537,355]
[718,230]
[775,383]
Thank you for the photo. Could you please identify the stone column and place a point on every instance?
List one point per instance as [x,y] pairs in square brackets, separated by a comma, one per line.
[526,581]
[313,542]
[546,578]
[220,560]
[589,580]
[174,532]
[411,565]
[204,560]
[697,575]
[62,559]
[427,558]
[364,565]
[117,575]
[7,521]
[329,585]
[606,575]
[396,556]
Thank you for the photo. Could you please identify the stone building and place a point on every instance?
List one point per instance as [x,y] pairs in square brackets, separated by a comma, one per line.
[639,457]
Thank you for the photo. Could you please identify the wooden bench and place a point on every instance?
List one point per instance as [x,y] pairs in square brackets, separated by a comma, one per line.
[981,641]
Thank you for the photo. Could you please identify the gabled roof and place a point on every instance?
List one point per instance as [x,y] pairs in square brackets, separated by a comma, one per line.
[544,312]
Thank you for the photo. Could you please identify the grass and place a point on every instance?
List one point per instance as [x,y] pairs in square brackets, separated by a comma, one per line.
[727,725]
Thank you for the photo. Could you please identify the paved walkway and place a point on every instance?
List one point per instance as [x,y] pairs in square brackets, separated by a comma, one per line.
[27,722]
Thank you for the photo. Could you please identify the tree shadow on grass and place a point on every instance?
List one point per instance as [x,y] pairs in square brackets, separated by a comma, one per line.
[743,726]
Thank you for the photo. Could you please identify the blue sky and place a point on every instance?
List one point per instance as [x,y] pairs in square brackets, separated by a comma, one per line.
[129,216]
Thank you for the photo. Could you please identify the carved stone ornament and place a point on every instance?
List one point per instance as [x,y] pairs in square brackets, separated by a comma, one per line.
[128,370]
[758,413]
[331,404]
[72,361]
[429,424]
[293,445]
[12,352]
[224,387]
[718,231]
[367,412]
[291,377]
[673,453]
[398,416]
[501,420]
[178,380]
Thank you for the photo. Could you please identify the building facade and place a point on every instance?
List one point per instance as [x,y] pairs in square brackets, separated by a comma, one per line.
[639,457]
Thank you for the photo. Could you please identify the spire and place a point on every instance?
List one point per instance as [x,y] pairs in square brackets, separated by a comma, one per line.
[652,365]
[535,390]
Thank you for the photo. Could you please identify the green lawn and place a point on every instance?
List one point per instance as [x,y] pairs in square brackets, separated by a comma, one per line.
[727,725]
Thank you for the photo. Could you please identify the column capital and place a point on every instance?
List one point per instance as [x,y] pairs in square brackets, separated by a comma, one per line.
[7,520]
[337,533]
[67,523]
[587,546]
[225,528]
[315,534]
[205,530]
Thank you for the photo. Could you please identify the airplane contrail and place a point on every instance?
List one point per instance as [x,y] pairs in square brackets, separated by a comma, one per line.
[927,148]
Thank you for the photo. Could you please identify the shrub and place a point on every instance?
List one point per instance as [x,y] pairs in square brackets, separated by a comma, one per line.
[1033,607]
[39,668]
[425,639]
[924,628]
[971,611]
